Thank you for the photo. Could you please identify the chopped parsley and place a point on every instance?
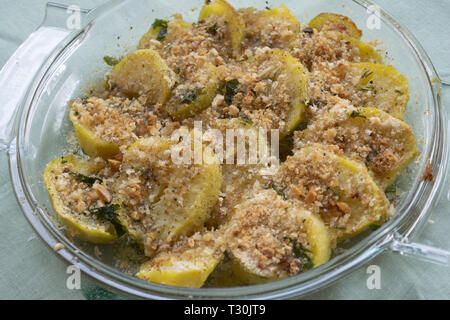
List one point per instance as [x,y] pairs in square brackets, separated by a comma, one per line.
[212,29]
[399,92]
[300,252]
[191,96]
[302,126]
[111,61]
[280,192]
[366,74]
[367,88]
[231,89]
[84,100]
[109,213]
[334,192]
[85,179]
[357,114]
[246,120]
[163,24]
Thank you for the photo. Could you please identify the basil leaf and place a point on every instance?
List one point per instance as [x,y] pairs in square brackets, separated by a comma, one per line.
[212,29]
[367,88]
[85,179]
[366,74]
[163,31]
[280,192]
[357,114]
[231,89]
[111,61]
[109,213]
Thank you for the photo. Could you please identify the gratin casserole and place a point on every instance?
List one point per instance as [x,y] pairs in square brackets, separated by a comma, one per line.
[339,113]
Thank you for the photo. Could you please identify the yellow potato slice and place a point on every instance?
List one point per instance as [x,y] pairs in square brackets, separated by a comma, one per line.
[183,267]
[143,72]
[282,13]
[340,190]
[261,24]
[173,28]
[198,99]
[271,238]
[160,199]
[59,176]
[383,143]
[367,52]
[297,78]
[222,13]
[336,22]
[381,87]
[92,145]
[293,78]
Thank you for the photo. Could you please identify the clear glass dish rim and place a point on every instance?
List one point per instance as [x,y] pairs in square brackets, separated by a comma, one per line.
[421,197]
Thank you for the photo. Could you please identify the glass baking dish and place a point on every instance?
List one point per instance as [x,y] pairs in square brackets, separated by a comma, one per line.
[65,56]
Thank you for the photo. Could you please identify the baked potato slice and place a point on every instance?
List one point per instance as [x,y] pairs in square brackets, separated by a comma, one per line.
[336,22]
[224,15]
[68,181]
[297,78]
[340,190]
[162,30]
[195,101]
[143,72]
[382,87]
[367,52]
[282,13]
[386,145]
[271,238]
[182,267]
[290,94]
[160,199]
[91,144]
[261,25]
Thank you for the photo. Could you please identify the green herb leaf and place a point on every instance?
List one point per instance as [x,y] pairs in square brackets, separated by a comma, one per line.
[399,92]
[109,213]
[191,96]
[302,126]
[160,23]
[163,31]
[84,99]
[300,252]
[334,192]
[367,88]
[85,179]
[231,89]
[246,120]
[280,192]
[366,74]
[357,114]
[212,29]
[111,61]
[161,34]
